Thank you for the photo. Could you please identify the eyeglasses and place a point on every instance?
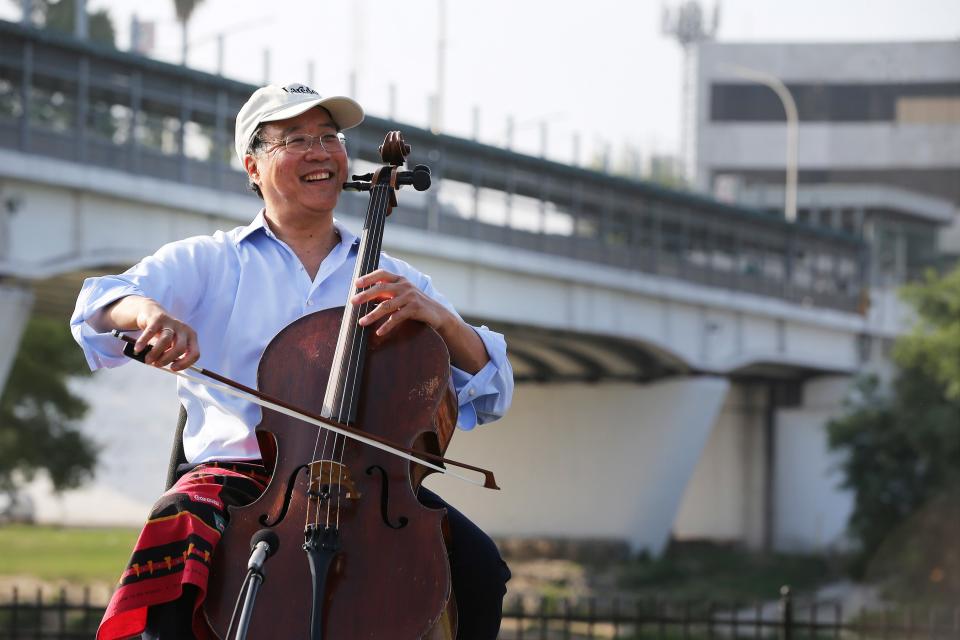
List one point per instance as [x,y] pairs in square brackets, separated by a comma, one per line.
[303,142]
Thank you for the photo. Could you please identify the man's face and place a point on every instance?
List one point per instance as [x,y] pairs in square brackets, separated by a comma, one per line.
[304,182]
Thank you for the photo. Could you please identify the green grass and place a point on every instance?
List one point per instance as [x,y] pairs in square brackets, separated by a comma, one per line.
[686,571]
[56,553]
[705,571]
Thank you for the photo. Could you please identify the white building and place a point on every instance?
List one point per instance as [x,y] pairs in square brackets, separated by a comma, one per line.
[878,155]
[879,131]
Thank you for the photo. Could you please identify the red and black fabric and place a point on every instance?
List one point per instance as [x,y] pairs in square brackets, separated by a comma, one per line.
[176,544]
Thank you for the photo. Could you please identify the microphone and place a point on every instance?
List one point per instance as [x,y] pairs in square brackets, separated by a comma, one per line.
[263,544]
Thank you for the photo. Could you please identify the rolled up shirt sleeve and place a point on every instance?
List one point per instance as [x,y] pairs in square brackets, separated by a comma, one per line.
[485,396]
[100,349]
[169,276]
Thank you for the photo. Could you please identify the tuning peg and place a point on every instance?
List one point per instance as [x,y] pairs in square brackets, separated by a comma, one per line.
[421,177]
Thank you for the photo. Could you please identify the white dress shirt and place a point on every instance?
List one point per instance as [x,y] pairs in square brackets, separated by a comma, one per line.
[238,289]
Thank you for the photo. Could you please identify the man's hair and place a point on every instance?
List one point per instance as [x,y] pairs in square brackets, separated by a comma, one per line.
[256,145]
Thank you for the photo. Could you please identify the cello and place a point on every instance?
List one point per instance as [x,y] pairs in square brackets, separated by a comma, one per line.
[359,557]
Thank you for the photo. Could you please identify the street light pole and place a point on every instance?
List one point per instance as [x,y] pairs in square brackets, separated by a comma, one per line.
[80,25]
[436,124]
[790,108]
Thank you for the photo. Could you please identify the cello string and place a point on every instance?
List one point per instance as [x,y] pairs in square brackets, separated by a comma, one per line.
[372,262]
[339,491]
[316,499]
[326,524]
[370,258]
[349,388]
[322,456]
[337,412]
[363,267]
[330,454]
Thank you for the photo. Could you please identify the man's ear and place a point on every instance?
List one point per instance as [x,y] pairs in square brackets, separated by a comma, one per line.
[250,164]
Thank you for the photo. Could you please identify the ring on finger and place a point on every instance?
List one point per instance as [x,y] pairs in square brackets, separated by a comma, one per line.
[172,332]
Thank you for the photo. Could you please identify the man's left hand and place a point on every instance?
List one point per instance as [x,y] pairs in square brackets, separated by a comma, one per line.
[399,300]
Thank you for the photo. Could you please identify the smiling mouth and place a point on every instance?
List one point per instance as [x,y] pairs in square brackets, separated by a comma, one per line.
[316,176]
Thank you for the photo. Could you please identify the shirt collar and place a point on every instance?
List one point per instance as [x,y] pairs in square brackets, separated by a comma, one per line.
[260,223]
[346,236]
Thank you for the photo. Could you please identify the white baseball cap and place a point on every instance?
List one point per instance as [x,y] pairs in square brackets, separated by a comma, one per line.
[273,102]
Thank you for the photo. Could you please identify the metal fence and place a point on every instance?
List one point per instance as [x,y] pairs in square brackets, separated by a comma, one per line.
[40,616]
[57,618]
[786,619]
[72,101]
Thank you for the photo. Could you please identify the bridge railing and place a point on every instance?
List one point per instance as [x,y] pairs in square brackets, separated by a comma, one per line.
[82,103]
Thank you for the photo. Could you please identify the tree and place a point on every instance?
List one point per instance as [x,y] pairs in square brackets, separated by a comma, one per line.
[59,15]
[38,412]
[903,452]
[184,9]
[934,344]
[667,170]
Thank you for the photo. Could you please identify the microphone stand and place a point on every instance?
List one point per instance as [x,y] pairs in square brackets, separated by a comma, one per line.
[264,544]
[253,582]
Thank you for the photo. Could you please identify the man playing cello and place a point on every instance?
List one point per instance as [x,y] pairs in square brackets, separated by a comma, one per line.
[217,301]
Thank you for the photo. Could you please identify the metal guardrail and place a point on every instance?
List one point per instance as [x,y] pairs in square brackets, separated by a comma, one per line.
[74,101]
[592,619]
[655,619]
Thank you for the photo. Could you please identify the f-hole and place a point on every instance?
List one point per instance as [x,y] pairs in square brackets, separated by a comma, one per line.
[265,518]
[385,498]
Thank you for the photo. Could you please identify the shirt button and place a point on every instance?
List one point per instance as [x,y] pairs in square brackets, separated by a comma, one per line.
[309,303]
[471,392]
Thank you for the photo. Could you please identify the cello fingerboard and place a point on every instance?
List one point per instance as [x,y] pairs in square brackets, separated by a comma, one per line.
[340,400]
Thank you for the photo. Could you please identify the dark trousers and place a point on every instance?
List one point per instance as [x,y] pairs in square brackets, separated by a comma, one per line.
[479,583]
[479,574]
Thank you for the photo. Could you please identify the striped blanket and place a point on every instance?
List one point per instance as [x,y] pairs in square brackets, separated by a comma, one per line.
[176,544]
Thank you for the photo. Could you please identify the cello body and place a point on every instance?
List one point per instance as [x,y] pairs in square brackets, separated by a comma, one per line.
[393,560]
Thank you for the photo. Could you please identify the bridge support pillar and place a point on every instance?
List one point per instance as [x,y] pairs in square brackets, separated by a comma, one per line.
[590,461]
[15,305]
[768,478]
[813,508]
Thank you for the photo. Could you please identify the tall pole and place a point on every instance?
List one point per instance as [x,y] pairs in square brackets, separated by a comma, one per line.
[80,29]
[183,42]
[357,71]
[689,24]
[790,109]
[437,123]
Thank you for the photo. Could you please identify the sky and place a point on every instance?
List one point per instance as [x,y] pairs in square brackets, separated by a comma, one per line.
[600,72]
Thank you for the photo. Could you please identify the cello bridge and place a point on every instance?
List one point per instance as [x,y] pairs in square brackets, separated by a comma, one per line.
[327,476]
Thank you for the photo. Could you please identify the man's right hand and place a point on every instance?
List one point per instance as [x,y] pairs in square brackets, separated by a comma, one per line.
[174,342]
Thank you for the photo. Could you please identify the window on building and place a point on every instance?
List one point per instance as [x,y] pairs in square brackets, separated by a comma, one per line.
[926,110]
[821,102]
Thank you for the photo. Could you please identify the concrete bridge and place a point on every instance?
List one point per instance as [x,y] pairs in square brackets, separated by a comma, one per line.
[667,347]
